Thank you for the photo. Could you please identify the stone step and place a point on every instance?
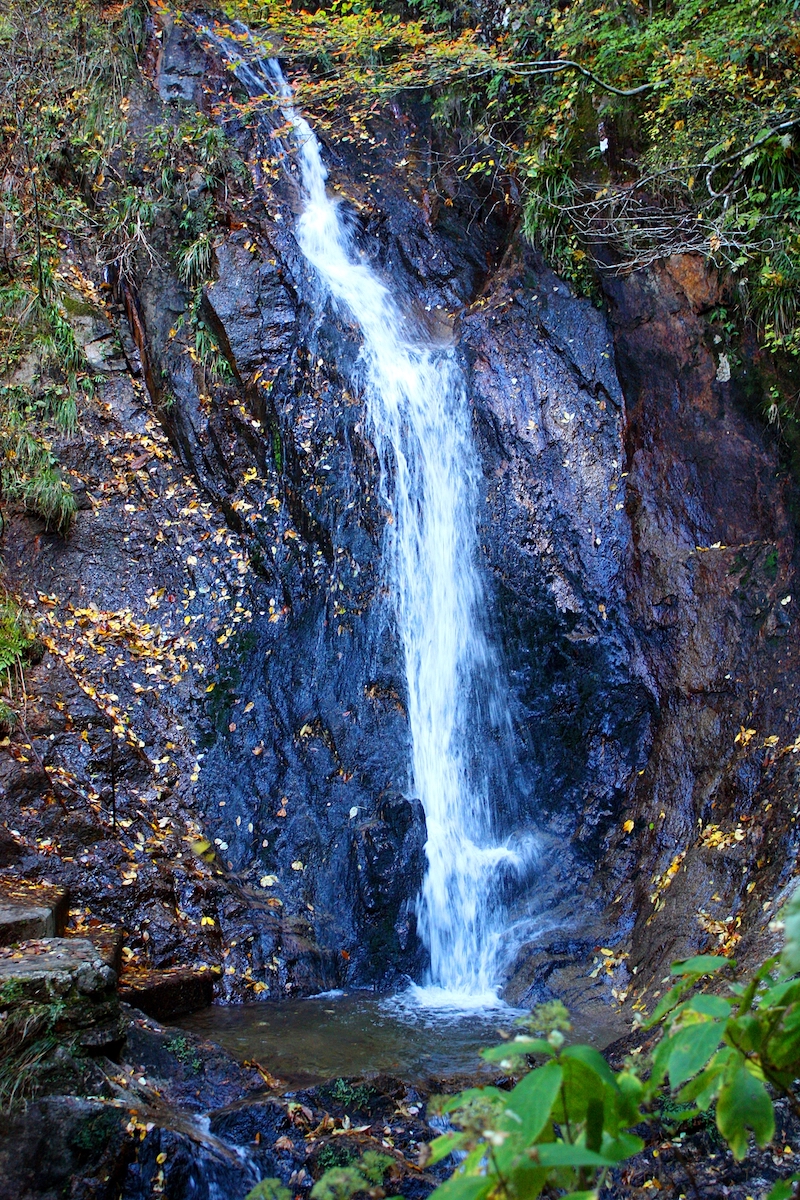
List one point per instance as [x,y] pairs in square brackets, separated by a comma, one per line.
[108,944]
[168,992]
[64,985]
[55,966]
[31,910]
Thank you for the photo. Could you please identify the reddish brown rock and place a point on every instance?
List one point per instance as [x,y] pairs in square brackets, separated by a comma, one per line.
[699,282]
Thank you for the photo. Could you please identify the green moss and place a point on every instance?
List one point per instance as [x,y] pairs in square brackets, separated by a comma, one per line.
[361,1176]
[277,446]
[356,1096]
[11,992]
[185,1053]
[269,1189]
[333,1155]
[75,307]
[93,1135]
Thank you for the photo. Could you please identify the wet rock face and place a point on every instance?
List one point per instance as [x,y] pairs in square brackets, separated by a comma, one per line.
[610,452]
[175,1116]
[307,772]
[635,533]
[251,308]
[304,781]
[637,526]
[710,590]
[59,1142]
[550,420]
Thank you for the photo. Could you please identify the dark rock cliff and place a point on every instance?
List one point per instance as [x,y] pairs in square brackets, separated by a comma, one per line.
[639,526]
[635,524]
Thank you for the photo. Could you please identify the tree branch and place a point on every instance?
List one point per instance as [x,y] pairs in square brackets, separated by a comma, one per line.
[764,136]
[545,67]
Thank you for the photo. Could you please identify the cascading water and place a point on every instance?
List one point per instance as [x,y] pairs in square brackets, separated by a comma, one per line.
[459,719]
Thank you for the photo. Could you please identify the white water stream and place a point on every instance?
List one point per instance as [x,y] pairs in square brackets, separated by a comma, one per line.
[460,725]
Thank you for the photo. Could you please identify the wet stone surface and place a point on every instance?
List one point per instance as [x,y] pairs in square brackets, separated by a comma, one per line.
[30,910]
[171,992]
[219,599]
[58,963]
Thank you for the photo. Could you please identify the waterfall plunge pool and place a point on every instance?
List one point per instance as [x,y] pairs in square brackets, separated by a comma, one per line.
[347,1034]
[305,1042]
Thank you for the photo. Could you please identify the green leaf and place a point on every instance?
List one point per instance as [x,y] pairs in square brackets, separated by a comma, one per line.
[630,1092]
[464,1187]
[453,1103]
[533,1098]
[594,1123]
[619,1148]
[517,1047]
[563,1154]
[703,1088]
[781,994]
[691,1048]
[783,1189]
[473,1163]
[701,964]
[668,1002]
[527,1179]
[744,1105]
[783,1048]
[581,1085]
[715,151]
[709,1006]
[746,1033]
[591,1058]
[791,1018]
[440,1147]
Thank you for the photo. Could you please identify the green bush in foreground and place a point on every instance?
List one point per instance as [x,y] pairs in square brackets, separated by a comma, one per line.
[569,1120]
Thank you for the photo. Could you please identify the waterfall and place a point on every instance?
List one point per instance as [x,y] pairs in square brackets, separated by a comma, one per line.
[458,713]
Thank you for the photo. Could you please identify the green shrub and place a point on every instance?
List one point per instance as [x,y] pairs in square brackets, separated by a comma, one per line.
[569,1121]
[64,69]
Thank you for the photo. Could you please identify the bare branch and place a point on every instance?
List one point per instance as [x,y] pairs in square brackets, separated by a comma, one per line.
[546,67]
